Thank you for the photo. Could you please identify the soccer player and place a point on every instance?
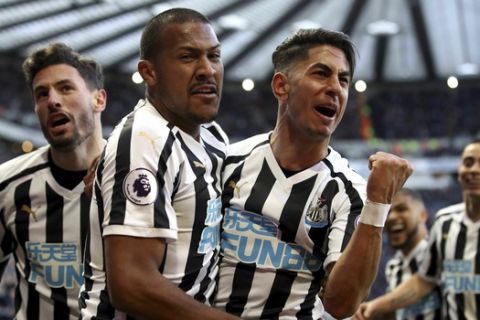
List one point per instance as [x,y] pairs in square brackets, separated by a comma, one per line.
[44,212]
[407,233]
[157,185]
[452,260]
[291,201]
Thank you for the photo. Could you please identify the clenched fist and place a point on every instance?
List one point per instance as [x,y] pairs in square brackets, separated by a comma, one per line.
[388,174]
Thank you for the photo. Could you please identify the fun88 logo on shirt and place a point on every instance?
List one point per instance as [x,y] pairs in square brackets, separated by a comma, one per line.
[252,238]
[210,238]
[57,263]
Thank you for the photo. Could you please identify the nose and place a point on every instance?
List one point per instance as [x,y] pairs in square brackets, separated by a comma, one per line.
[206,68]
[334,86]
[53,100]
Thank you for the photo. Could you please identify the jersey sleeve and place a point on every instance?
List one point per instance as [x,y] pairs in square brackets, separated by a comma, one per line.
[140,169]
[346,208]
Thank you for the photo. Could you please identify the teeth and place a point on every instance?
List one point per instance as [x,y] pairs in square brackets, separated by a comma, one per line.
[396,228]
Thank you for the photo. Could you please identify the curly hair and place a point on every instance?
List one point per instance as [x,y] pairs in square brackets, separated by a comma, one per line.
[60,53]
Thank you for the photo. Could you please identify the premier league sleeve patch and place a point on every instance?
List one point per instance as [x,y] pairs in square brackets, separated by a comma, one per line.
[140,187]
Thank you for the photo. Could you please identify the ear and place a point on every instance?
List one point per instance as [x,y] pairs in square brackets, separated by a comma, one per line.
[100,100]
[424,215]
[280,86]
[147,71]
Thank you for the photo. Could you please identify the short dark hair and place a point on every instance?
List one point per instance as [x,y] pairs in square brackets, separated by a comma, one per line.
[474,141]
[415,195]
[153,30]
[296,47]
[60,53]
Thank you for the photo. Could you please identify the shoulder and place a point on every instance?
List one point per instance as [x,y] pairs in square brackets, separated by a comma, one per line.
[23,165]
[340,167]
[143,126]
[246,146]
[242,150]
[450,212]
[24,161]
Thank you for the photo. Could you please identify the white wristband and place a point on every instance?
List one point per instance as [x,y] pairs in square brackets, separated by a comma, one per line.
[374,213]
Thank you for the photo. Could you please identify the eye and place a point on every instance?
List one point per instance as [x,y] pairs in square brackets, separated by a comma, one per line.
[41,94]
[321,73]
[186,56]
[215,56]
[66,88]
[468,162]
[345,80]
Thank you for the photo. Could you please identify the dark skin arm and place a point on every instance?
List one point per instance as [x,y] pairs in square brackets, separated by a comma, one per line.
[137,287]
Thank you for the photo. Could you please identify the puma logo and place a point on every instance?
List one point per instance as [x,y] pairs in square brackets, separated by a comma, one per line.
[28,210]
[198,164]
[232,184]
[145,135]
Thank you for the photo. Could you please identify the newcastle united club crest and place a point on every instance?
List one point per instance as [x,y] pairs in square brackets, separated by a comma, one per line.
[317,213]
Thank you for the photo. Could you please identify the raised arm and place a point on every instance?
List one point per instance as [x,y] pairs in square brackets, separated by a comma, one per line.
[408,292]
[137,287]
[352,275]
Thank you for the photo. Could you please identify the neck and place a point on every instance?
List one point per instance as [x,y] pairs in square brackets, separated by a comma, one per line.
[191,129]
[81,156]
[472,205]
[294,152]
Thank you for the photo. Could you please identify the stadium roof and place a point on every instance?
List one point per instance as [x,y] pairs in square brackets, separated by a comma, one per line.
[397,40]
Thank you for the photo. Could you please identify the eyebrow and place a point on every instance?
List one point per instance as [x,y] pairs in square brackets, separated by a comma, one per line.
[324,66]
[191,48]
[41,87]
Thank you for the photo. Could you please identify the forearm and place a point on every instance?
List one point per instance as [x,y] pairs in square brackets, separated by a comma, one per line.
[353,274]
[158,298]
[137,287]
[409,292]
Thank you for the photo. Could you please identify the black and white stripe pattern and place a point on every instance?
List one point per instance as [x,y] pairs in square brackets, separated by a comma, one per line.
[44,226]
[145,148]
[398,270]
[453,260]
[280,232]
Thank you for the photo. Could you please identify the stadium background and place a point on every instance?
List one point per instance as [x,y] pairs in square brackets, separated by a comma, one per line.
[416,89]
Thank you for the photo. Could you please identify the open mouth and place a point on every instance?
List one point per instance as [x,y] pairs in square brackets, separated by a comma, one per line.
[325,111]
[396,228]
[58,120]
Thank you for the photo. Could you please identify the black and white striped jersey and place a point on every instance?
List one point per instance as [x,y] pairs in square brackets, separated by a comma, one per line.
[398,270]
[44,226]
[453,260]
[280,232]
[154,180]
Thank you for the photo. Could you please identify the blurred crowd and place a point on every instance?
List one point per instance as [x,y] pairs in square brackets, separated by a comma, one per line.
[430,112]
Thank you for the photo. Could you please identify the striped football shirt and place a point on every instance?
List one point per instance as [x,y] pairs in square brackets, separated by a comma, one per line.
[44,226]
[280,231]
[154,180]
[398,270]
[453,260]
